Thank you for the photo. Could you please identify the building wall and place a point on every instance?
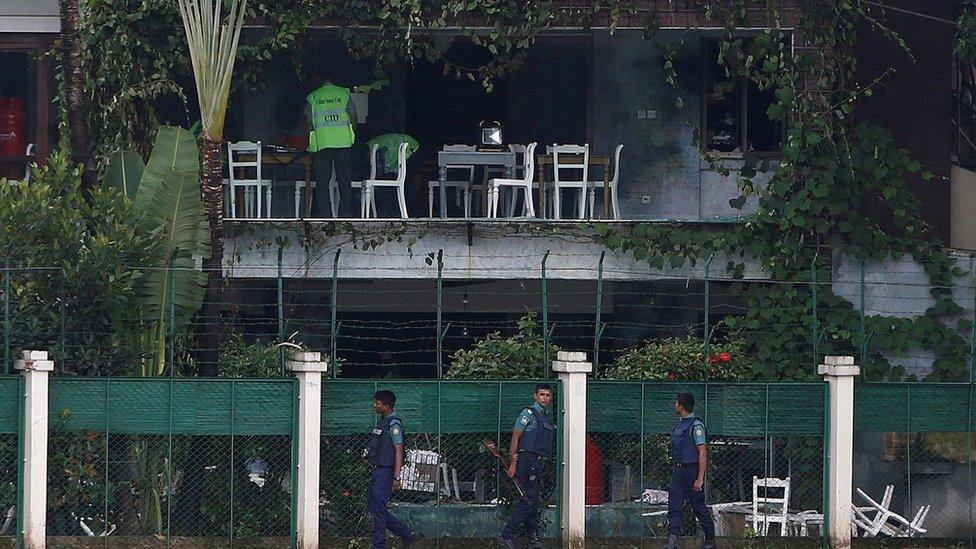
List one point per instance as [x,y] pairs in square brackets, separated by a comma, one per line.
[29,16]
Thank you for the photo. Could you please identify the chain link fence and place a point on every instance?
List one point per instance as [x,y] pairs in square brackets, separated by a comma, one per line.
[913,454]
[755,431]
[453,490]
[11,389]
[155,462]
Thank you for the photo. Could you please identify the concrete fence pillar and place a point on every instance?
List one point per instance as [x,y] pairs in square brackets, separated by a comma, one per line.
[572,369]
[35,367]
[839,372]
[308,368]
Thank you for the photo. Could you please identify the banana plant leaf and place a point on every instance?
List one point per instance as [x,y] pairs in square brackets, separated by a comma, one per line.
[124,172]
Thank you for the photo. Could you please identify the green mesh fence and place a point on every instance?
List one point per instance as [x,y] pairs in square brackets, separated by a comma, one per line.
[10,472]
[152,462]
[761,431]
[453,490]
[913,454]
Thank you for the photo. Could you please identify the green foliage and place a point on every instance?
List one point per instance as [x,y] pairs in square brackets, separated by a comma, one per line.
[69,255]
[239,358]
[682,359]
[520,356]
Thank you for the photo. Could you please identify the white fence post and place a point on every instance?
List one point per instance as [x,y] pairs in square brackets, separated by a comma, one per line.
[308,367]
[839,372]
[35,368]
[572,368]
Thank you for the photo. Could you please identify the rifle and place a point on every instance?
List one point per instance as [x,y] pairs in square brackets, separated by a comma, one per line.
[503,463]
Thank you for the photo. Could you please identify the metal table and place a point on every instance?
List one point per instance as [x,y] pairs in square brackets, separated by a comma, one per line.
[505,159]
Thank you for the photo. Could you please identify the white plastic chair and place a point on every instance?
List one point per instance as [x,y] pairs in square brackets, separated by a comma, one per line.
[768,509]
[464,186]
[251,181]
[595,186]
[566,158]
[880,524]
[368,200]
[524,183]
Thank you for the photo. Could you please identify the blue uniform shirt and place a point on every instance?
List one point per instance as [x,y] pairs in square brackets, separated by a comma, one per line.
[697,430]
[526,421]
[396,428]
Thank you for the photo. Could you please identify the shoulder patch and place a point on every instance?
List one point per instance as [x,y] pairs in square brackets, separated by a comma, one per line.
[524,420]
[529,410]
[395,429]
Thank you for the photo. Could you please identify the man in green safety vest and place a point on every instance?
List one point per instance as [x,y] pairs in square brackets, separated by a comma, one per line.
[331,119]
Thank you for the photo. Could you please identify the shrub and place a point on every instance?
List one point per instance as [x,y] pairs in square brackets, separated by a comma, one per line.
[681,359]
[520,356]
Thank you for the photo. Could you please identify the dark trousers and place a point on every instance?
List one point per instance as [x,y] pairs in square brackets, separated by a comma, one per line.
[683,488]
[324,162]
[528,471]
[380,486]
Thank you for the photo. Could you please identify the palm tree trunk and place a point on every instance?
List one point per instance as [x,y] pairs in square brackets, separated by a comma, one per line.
[75,84]
[209,328]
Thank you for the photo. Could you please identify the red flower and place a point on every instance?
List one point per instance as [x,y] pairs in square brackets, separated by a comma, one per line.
[346,493]
[725,357]
[713,359]
[670,376]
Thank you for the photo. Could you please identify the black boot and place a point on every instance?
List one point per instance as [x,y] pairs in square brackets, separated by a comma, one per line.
[535,542]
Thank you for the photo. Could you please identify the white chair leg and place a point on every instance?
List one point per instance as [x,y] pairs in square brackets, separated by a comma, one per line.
[403,202]
[529,205]
[430,200]
[298,200]
[233,202]
[267,201]
[615,201]
[592,203]
[363,201]
[555,203]
[493,202]
[467,204]
[581,205]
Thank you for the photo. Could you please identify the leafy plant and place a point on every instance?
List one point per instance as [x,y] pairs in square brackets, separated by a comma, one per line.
[674,359]
[519,356]
[239,358]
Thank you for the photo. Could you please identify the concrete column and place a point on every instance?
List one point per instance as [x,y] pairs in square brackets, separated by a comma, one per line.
[572,368]
[839,372]
[35,368]
[308,367]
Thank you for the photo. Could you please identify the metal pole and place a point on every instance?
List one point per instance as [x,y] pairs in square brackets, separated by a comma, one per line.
[62,313]
[825,467]
[21,442]
[545,318]
[816,321]
[171,328]
[707,335]
[281,316]
[169,469]
[232,467]
[333,328]
[862,329]
[969,428]
[293,535]
[440,307]
[7,328]
[597,326]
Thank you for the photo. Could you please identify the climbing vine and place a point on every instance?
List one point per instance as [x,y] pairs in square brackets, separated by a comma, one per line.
[839,192]
[839,187]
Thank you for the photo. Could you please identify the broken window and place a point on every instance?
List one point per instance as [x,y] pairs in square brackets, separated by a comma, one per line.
[734,109]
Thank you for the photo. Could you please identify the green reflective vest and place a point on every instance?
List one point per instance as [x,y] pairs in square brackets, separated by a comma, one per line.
[331,126]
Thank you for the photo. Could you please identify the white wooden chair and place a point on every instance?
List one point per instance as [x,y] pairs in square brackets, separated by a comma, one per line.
[886,521]
[570,158]
[369,186]
[464,186]
[767,508]
[524,183]
[597,186]
[246,175]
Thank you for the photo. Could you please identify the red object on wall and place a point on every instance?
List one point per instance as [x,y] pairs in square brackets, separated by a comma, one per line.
[13,127]
[594,472]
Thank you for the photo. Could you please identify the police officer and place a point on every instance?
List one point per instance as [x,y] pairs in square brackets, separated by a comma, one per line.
[690,457]
[386,459]
[533,438]
[331,115]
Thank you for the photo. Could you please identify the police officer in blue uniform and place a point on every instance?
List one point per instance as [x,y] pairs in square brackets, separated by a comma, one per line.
[386,459]
[533,439]
[690,458]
